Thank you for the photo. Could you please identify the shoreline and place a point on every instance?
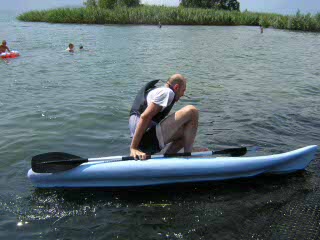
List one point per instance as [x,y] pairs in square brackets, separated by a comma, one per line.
[152,15]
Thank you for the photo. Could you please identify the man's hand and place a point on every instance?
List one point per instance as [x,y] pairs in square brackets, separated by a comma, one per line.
[138,154]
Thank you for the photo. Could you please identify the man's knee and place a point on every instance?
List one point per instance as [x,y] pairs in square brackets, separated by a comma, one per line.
[192,110]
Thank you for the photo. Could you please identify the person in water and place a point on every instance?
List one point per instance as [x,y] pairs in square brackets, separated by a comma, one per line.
[150,126]
[3,47]
[81,47]
[261,29]
[70,48]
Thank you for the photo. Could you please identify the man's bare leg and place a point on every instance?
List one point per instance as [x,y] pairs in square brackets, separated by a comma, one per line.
[180,128]
[175,146]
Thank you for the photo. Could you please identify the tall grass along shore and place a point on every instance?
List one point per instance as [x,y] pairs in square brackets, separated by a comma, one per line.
[173,16]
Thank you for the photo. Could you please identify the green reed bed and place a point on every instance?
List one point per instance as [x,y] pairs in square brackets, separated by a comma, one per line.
[173,16]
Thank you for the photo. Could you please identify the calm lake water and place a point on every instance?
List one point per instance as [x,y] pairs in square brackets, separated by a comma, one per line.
[251,89]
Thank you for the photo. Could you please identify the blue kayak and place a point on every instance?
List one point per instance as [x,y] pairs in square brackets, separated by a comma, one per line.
[160,171]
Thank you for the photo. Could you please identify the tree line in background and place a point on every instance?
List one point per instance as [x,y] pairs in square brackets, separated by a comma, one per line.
[112,3]
[145,14]
[232,5]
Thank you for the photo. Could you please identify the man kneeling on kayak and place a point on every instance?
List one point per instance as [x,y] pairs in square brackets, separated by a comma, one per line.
[151,127]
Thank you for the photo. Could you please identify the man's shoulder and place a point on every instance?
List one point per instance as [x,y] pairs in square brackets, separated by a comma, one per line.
[162,90]
[162,96]
[161,93]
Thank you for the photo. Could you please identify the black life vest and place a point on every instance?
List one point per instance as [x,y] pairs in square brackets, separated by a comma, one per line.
[140,103]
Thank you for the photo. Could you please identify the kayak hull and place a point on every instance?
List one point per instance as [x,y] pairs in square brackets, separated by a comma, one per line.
[173,170]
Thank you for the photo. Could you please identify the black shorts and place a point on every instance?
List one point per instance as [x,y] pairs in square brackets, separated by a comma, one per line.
[149,142]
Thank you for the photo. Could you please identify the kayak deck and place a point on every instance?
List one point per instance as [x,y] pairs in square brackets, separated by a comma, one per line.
[173,170]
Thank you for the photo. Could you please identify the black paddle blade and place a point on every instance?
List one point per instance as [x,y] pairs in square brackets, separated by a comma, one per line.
[55,162]
[234,152]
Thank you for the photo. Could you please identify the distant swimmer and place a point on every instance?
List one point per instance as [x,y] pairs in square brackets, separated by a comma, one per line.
[81,47]
[160,24]
[261,29]
[3,47]
[70,48]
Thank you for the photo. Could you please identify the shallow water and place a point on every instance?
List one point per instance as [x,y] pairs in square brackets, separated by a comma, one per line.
[251,89]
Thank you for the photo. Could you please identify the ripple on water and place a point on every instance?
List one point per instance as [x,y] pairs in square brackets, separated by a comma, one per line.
[251,89]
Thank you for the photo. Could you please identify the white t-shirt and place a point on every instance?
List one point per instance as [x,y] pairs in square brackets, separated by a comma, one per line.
[161,96]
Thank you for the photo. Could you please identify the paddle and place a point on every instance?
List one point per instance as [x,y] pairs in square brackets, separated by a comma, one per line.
[53,162]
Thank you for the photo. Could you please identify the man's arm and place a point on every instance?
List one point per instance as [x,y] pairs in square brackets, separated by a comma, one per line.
[144,122]
[8,49]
